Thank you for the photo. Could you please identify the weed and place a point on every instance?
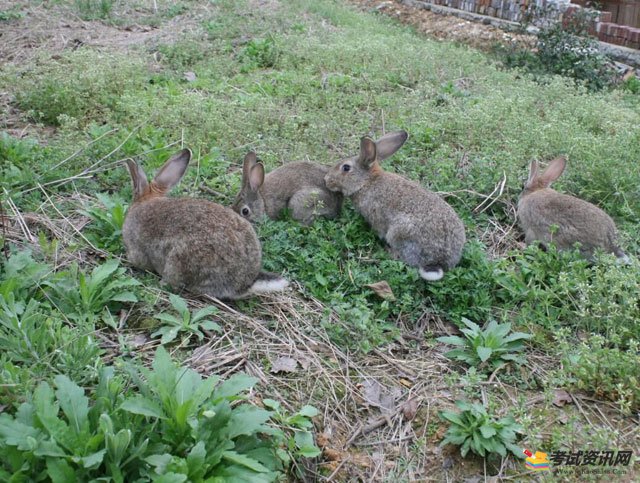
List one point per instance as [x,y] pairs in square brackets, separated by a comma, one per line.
[105,230]
[260,54]
[605,370]
[473,429]
[488,348]
[185,322]
[94,9]
[85,297]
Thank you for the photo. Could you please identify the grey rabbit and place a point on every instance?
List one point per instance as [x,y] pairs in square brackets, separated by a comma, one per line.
[193,244]
[297,186]
[548,216]
[420,227]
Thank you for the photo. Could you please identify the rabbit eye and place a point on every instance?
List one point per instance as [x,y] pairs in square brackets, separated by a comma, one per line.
[346,168]
[245,211]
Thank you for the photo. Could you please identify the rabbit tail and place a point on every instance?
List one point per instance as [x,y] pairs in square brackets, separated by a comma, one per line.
[268,282]
[431,274]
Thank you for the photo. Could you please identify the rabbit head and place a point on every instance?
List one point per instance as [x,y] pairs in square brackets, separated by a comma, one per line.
[351,174]
[166,178]
[249,202]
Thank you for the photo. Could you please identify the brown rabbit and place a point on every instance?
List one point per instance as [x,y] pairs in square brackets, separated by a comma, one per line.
[548,216]
[193,244]
[419,226]
[297,186]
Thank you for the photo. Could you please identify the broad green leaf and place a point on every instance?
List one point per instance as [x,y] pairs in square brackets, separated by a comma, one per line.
[49,448]
[204,312]
[308,411]
[247,419]
[47,412]
[15,433]
[453,340]
[304,442]
[92,461]
[484,353]
[243,460]
[139,404]
[60,471]
[487,431]
[170,478]
[167,335]
[159,461]
[179,304]
[196,461]
[125,297]
[233,386]
[472,326]
[452,417]
[169,319]
[73,403]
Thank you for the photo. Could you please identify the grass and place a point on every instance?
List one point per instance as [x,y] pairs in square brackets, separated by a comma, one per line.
[295,80]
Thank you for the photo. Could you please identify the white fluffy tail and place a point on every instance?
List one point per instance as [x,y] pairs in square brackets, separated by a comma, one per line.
[431,274]
[268,282]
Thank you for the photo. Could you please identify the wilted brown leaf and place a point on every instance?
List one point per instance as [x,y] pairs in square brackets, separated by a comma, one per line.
[382,290]
[284,364]
[409,409]
[561,397]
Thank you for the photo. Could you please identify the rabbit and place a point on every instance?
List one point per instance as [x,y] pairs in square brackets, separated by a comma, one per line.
[297,186]
[420,228]
[540,208]
[193,244]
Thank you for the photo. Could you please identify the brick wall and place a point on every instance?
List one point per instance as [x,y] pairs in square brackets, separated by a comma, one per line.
[512,10]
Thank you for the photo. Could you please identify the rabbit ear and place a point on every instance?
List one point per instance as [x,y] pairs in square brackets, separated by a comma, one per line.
[553,171]
[250,160]
[390,143]
[533,174]
[256,177]
[173,170]
[367,152]
[138,177]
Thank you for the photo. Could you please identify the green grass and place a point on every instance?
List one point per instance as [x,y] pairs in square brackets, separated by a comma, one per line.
[306,80]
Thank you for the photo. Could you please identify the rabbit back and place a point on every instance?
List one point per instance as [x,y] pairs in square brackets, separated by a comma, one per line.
[419,226]
[548,216]
[300,187]
[195,245]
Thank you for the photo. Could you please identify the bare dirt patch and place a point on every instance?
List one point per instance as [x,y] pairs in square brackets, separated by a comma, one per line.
[49,30]
[444,27]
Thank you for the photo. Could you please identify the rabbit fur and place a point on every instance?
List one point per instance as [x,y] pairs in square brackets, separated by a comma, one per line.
[575,220]
[192,244]
[297,186]
[420,227]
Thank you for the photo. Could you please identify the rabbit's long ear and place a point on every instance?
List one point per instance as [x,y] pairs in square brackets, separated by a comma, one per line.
[553,171]
[390,143]
[256,177]
[533,174]
[250,160]
[138,178]
[173,170]
[367,152]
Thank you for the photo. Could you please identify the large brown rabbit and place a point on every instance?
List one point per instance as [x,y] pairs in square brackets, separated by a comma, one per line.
[297,186]
[193,244]
[548,216]
[419,226]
